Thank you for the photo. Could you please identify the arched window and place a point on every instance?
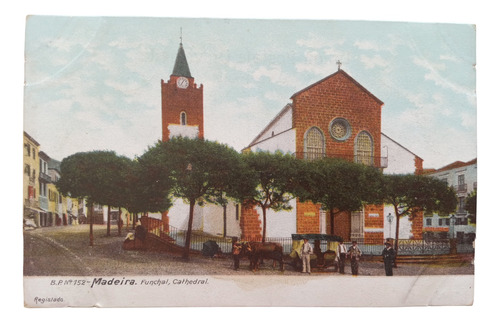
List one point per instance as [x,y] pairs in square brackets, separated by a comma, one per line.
[364,148]
[183,118]
[314,144]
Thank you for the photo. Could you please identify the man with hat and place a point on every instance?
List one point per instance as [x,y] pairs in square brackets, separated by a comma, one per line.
[388,254]
[305,254]
[355,254]
[341,255]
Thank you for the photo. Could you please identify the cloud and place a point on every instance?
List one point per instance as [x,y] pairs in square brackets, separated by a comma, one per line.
[315,41]
[375,61]
[276,75]
[436,73]
[389,44]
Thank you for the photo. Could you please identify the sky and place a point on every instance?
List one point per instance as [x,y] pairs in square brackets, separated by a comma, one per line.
[93,83]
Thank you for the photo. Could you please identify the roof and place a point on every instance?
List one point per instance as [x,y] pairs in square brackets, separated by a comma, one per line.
[456,164]
[181,67]
[43,155]
[397,143]
[273,121]
[31,138]
[340,72]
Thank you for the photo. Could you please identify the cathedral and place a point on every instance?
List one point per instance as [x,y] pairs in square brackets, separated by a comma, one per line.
[335,117]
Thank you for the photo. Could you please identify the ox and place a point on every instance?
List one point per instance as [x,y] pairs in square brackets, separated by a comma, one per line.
[258,251]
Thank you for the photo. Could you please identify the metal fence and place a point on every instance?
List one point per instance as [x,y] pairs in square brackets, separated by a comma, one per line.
[405,246]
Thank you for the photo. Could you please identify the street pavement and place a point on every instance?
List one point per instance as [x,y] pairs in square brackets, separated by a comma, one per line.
[65,251]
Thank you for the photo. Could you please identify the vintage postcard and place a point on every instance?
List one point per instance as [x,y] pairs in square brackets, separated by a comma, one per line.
[247,162]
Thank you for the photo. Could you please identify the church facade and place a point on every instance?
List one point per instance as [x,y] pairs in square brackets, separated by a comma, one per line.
[335,117]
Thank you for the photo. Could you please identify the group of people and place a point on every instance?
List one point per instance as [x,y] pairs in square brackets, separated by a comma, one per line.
[342,253]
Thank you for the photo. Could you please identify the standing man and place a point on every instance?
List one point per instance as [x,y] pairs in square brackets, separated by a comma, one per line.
[305,254]
[355,255]
[388,254]
[341,254]
[236,253]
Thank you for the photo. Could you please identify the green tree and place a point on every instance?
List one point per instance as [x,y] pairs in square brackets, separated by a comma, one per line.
[146,187]
[116,181]
[340,186]
[87,175]
[199,171]
[273,179]
[410,194]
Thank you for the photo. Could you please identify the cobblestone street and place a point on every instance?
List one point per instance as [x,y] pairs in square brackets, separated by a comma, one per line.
[63,251]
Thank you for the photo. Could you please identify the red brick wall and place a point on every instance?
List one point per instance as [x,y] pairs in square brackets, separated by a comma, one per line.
[250,224]
[306,221]
[341,224]
[337,96]
[334,97]
[375,222]
[419,165]
[417,225]
[175,100]
[374,238]
[372,221]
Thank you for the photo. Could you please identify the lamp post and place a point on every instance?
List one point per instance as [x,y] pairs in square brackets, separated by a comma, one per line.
[452,226]
[389,219]
[453,241]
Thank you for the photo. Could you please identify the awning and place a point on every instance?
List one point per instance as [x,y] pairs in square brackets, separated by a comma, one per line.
[28,210]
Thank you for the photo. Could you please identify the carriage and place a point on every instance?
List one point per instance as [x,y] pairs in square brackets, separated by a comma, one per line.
[324,250]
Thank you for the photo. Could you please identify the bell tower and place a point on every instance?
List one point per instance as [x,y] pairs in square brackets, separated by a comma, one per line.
[181,102]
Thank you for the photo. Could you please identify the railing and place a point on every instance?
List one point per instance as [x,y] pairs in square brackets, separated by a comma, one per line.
[31,203]
[423,247]
[152,225]
[405,246]
[177,236]
[44,177]
[461,188]
[381,162]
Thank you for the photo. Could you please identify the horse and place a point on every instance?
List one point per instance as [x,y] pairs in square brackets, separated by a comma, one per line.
[258,251]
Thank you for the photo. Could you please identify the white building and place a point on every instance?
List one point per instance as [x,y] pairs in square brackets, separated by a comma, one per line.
[462,176]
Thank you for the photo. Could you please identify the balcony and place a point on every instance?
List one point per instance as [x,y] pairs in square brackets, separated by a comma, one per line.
[461,188]
[31,203]
[44,177]
[379,162]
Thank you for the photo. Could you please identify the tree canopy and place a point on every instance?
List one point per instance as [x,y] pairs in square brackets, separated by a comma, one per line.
[95,176]
[197,170]
[339,185]
[410,194]
[274,179]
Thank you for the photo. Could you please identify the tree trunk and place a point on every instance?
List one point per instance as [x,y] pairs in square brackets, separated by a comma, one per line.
[119,222]
[396,240]
[264,221]
[108,224]
[187,244]
[331,222]
[224,230]
[91,224]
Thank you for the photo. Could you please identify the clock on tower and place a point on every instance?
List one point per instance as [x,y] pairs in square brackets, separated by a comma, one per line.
[181,102]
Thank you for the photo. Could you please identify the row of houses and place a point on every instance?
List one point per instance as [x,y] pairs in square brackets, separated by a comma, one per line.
[43,204]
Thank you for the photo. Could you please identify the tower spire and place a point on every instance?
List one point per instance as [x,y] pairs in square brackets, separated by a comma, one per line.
[181,67]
